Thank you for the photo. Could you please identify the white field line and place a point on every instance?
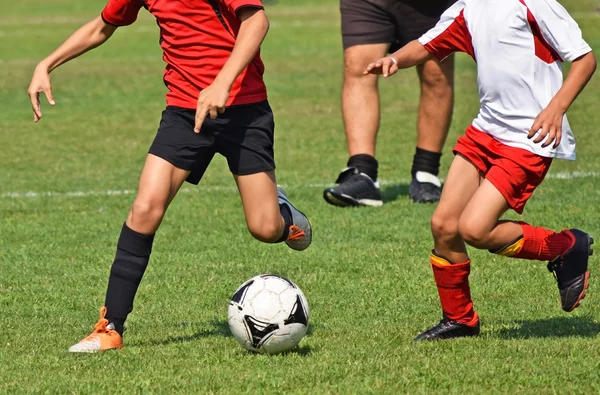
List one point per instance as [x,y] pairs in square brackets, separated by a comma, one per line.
[200,188]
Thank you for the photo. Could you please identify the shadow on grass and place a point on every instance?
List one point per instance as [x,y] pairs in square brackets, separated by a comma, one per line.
[217,328]
[552,327]
[393,192]
[302,351]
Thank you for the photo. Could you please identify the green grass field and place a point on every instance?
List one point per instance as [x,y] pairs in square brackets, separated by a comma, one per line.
[66,185]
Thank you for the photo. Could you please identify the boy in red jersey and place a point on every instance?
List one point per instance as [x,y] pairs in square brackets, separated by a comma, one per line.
[519,46]
[216,102]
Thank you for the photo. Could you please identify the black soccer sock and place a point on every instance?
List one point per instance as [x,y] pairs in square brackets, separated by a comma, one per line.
[426,161]
[365,164]
[131,260]
[287,218]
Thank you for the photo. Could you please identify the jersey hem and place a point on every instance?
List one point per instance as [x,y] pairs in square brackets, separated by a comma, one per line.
[237,101]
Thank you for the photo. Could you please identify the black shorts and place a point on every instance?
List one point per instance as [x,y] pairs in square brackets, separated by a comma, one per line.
[242,134]
[394,22]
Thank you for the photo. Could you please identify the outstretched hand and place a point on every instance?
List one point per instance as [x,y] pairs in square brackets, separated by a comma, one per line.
[548,127]
[386,66]
[40,82]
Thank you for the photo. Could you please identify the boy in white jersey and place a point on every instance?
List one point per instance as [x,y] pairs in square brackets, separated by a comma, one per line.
[519,47]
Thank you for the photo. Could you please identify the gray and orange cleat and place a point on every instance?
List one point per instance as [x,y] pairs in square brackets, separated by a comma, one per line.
[300,235]
[571,270]
[104,337]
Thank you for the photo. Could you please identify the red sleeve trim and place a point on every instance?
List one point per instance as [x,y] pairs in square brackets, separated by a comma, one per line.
[543,50]
[455,38]
[235,5]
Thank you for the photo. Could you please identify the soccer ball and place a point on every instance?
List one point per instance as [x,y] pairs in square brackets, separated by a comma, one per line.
[268,314]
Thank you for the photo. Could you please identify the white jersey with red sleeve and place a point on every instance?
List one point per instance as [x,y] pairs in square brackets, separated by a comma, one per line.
[519,47]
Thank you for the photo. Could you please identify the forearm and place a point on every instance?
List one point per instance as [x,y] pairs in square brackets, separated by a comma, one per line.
[252,32]
[581,71]
[410,55]
[89,36]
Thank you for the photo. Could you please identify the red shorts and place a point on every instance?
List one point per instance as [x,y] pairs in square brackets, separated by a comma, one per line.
[515,172]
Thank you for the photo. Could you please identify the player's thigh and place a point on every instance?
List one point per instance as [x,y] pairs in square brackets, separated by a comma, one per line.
[247,144]
[460,186]
[483,211]
[259,199]
[159,182]
[365,22]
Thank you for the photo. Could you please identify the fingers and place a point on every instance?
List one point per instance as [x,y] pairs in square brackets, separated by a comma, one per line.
[200,116]
[35,105]
[221,110]
[374,68]
[48,93]
[212,112]
[550,138]
[558,138]
[534,128]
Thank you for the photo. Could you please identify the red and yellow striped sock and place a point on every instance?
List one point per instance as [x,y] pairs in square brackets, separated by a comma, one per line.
[538,244]
[452,282]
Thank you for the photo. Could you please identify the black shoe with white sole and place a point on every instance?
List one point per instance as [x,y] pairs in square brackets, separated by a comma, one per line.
[354,189]
[425,188]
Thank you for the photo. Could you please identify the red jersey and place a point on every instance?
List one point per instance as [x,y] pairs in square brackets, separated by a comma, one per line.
[197,37]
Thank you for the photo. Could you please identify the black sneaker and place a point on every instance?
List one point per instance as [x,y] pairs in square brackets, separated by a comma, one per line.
[570,270]
[354,189]
[425,188]
[448,329]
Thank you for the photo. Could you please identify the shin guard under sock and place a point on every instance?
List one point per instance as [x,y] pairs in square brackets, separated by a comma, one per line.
[127,270]
[452,282]
[538,244]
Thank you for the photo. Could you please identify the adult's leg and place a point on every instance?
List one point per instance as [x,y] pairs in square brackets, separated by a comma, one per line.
[360,98]
[360,111]
[433,122]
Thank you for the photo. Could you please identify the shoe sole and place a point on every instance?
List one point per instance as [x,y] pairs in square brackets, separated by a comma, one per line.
[586,283]
[341,200]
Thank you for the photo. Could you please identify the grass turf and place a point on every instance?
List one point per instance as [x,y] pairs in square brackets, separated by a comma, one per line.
[366,276]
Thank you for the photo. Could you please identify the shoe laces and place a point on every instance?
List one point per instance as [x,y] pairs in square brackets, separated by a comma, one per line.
[100,326]
[296,233]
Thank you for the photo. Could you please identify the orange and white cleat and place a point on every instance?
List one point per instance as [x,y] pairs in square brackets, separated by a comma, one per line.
[104,337]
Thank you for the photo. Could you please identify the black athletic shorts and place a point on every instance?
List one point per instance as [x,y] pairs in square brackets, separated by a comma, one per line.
[394,22]
[242,134]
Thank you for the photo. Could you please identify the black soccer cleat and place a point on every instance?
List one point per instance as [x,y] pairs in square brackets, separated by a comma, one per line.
[354,189]
[425,188]
[448,329]
[570,270]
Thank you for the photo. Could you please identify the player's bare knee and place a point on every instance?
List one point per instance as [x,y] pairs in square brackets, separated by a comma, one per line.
[473,234]
[354,68]
[265,231]
[435,83]
[146,211]
[443,228]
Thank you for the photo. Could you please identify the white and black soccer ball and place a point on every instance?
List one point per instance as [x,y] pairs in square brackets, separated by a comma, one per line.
[268,314]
